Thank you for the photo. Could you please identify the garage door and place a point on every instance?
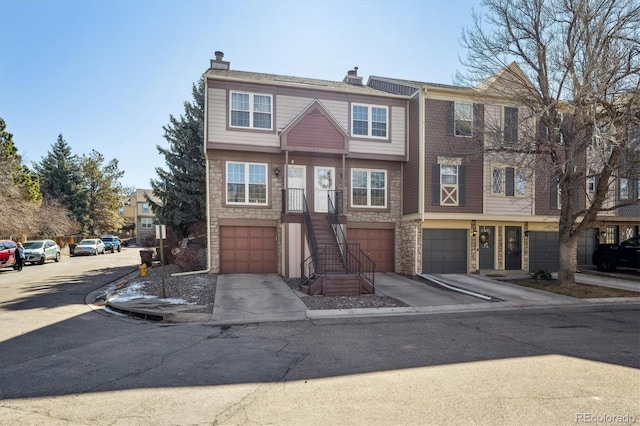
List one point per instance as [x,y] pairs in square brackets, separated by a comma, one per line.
[586,246]
[248,250]
[444,251]
[543,251]
[378,244]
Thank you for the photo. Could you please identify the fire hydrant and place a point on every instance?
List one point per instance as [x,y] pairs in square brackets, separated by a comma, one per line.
[143,270]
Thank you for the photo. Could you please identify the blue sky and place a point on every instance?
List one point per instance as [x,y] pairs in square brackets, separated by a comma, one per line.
[107,74]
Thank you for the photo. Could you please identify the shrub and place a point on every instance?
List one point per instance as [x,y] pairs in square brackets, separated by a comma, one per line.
[542,275]
[191,258]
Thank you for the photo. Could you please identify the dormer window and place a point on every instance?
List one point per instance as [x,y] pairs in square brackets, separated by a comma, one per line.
[251,110]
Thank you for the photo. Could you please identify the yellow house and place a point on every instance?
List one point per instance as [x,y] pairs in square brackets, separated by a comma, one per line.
[137,213]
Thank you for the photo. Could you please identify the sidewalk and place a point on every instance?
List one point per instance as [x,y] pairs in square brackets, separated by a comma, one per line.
[244,299]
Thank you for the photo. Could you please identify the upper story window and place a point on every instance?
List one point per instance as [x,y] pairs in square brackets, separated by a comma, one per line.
[591,183]
[369,121]
[557,130]
[121,211]
[145,207]
[448,181]
[448,184]
[146,222]
[624,189]
[508,181]
[369,188]
[246,183]
[510,130]
[251,110]
[463,119]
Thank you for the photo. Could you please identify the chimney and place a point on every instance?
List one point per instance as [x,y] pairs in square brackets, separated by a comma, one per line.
[352,77]
[218,63]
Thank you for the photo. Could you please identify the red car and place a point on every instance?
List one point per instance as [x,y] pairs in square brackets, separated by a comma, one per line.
[7,254]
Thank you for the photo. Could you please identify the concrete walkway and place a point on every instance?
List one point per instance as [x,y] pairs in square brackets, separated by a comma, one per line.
[243,299]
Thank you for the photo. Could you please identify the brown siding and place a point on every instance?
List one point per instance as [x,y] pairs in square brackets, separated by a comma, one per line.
[412,168]
[439,144]
[316,131]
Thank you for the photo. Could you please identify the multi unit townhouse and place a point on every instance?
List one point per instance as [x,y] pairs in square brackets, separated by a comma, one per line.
[412,177]
[301,168]
[138,216]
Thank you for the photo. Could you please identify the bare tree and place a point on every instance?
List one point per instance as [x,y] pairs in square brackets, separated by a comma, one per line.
[578,73]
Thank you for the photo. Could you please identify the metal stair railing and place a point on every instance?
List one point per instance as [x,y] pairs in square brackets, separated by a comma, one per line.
[309,267]
[354,259]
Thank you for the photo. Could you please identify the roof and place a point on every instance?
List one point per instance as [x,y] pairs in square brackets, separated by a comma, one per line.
[290,81]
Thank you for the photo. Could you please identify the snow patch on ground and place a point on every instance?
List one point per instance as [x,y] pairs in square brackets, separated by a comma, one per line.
[136,291]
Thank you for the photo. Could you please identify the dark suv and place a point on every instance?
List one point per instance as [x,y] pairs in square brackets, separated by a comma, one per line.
[7,254]
[607,257]
[111,243]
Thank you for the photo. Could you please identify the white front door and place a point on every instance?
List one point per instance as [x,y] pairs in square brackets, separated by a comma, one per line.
[324,178]
[297,182]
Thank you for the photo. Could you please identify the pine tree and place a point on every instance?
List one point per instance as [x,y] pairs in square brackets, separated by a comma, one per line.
[182,188]
[103,192]
[61,179]
[16,208]
[13,169]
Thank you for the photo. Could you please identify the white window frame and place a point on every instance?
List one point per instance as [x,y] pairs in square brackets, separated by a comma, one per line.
[519,177]
[456,114]
[591,184]
[370,121]
[146,223]
[449,194]
[369,189]
[251,110]
[145,207]
[624,189]
[246,182]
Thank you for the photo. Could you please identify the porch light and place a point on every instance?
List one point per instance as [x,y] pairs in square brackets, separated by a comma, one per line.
[277,171]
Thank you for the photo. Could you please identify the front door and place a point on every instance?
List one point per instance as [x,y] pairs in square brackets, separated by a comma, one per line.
[512,252]
[324,184]
[485,247]
[296,183]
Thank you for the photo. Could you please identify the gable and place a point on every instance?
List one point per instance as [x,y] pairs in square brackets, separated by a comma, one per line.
[315,130]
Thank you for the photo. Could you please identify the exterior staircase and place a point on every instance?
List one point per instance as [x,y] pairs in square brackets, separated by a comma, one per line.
[337,280]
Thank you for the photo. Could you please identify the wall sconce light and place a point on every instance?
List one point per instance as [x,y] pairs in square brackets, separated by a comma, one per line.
[277,171]
[474,233]
[603,233]
[526,233]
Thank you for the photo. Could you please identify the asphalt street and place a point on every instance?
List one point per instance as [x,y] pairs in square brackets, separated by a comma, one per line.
[62,362]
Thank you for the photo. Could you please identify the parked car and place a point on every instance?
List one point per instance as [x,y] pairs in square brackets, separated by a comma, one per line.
[7,254]
[92,246]
[39,251]
[607,257]
[111,243]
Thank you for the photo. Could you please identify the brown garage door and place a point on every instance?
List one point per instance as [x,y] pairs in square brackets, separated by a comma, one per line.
[248,250]
[377,244]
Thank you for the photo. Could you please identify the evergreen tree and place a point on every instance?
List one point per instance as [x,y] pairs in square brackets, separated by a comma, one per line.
[182,188]
[61,179]
[16,210]
[103,191]
[14,171]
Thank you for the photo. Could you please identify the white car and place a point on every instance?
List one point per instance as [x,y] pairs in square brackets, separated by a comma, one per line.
[89,247]
[39,251]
